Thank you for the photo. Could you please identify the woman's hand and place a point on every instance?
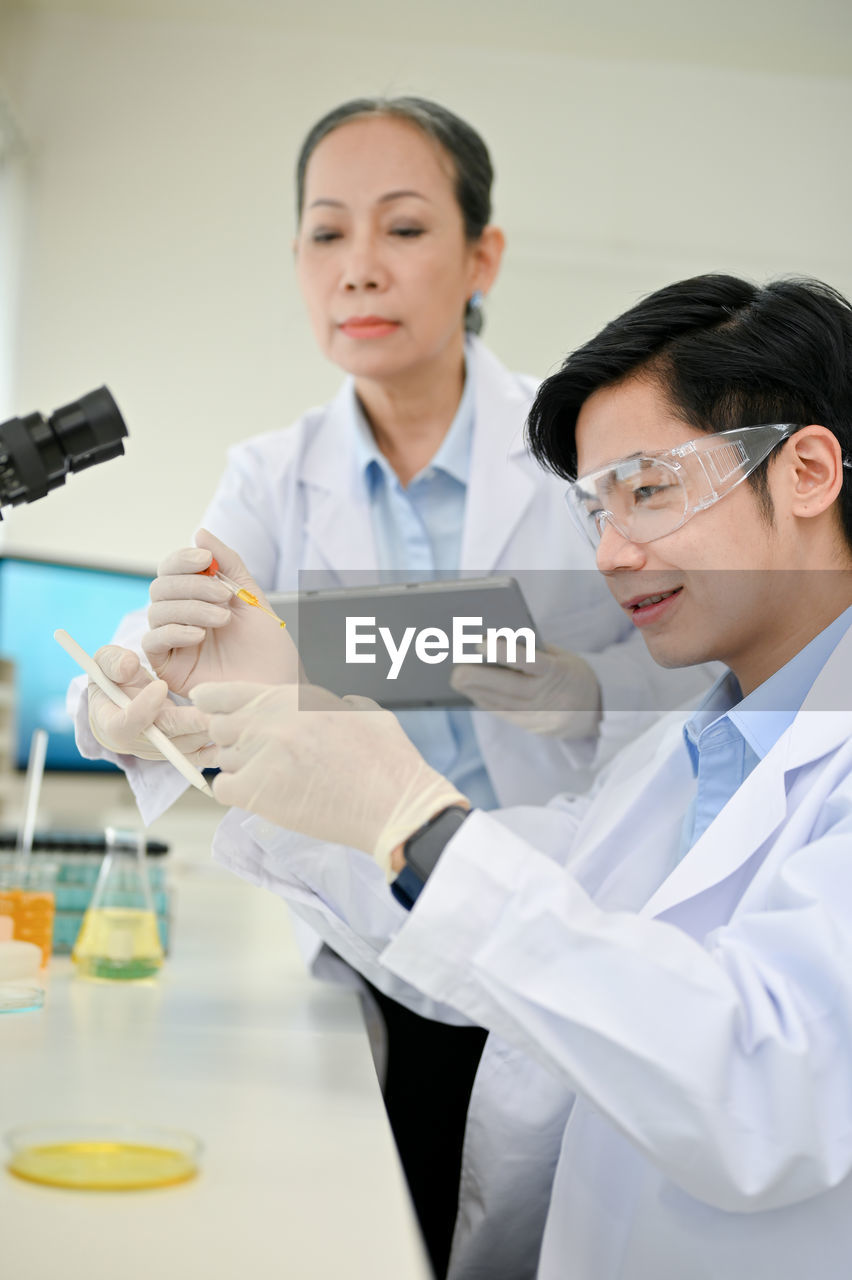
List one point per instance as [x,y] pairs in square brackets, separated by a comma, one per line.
[556,696]
[121,729]
[200,631]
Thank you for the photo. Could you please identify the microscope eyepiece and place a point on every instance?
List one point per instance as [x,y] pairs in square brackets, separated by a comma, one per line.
[36,453]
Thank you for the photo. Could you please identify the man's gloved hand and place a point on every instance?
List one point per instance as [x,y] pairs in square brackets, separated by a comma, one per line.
[200,631]
[337,769]
[120,730]
[557,695]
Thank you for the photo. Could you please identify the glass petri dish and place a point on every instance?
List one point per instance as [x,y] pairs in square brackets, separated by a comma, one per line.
[20,997]
[103,1157]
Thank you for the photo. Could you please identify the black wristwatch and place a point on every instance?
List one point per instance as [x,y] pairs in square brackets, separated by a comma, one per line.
[423,849]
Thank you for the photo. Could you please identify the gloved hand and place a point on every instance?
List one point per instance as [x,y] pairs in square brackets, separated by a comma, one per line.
[200,631]
[121,730]
[556,696]
[337,769]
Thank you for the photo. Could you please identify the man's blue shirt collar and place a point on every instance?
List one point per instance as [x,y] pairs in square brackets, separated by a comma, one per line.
[771,708]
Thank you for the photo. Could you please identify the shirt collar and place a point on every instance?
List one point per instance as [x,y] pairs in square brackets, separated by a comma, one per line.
[771,708]
[719,700]
[452,457]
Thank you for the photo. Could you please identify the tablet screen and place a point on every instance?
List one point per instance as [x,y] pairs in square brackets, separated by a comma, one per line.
[397,643]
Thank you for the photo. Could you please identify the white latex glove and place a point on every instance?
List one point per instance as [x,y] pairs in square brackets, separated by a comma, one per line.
[120,730]
[200,631]
[557,695]
[337,769]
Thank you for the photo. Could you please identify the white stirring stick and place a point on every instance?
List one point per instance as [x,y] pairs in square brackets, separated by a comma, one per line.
[35,773]
[121,699]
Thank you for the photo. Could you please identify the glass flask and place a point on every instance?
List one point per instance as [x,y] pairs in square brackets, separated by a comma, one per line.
[119,938]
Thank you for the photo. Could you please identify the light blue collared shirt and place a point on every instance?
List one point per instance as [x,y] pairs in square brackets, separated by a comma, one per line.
[418,529]
[729,735]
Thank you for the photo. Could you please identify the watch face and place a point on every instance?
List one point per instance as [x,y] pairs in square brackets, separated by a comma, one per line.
[424,848]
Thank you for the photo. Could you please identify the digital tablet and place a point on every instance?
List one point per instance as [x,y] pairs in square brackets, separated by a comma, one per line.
[397,643]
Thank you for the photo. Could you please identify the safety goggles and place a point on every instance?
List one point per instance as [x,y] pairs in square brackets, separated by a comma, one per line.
[649,495]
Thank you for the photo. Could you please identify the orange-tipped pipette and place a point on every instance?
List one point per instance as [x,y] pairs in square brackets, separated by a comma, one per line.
[242,593]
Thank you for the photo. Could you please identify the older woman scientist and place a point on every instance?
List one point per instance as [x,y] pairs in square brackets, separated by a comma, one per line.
[418,464]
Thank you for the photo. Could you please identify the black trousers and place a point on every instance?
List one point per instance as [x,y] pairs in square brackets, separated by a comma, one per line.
[430,1071]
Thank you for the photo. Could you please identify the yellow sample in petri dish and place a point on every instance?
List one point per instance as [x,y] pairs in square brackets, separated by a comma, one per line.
[103,1157]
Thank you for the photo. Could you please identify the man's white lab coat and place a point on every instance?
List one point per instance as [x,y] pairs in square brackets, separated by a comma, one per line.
[669,1074]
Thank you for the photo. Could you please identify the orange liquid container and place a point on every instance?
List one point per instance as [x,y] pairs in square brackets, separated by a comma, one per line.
[32,912]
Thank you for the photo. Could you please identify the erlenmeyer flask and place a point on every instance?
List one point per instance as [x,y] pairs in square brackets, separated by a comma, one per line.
[119,937]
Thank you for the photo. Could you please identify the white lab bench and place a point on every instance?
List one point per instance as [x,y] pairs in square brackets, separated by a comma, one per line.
[233,1042]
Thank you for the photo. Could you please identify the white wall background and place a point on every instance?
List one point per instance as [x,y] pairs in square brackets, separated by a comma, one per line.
[12,197]
[633,146]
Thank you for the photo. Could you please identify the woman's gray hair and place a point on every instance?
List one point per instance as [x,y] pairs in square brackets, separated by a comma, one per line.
[473,171]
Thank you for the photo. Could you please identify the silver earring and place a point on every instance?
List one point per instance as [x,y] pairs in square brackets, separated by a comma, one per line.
[476,300]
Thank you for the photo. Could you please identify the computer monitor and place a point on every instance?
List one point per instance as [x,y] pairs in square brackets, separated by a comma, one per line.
[36,597]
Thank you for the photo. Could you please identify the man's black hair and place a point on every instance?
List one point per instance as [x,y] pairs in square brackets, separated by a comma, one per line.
[726,354]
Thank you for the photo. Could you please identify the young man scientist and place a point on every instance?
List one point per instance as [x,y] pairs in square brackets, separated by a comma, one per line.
[665,964]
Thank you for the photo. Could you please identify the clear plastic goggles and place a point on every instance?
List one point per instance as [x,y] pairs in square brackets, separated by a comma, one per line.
[649,495]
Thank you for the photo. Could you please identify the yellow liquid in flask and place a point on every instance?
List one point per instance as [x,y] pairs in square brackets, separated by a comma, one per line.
[118,943]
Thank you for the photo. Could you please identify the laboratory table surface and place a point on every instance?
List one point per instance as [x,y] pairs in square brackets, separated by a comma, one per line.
[270,1069]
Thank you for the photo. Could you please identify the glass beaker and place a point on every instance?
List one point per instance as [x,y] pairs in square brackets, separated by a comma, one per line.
[119,938]
[26,887]
[28,897]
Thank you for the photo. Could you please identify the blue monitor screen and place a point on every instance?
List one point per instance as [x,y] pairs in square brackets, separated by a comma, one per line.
[36,597]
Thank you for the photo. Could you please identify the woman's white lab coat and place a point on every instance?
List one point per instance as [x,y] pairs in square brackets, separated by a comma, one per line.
[294,499]
[671,1042]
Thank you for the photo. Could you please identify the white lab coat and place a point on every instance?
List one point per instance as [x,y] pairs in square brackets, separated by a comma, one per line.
[670,1064]
[294,499]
